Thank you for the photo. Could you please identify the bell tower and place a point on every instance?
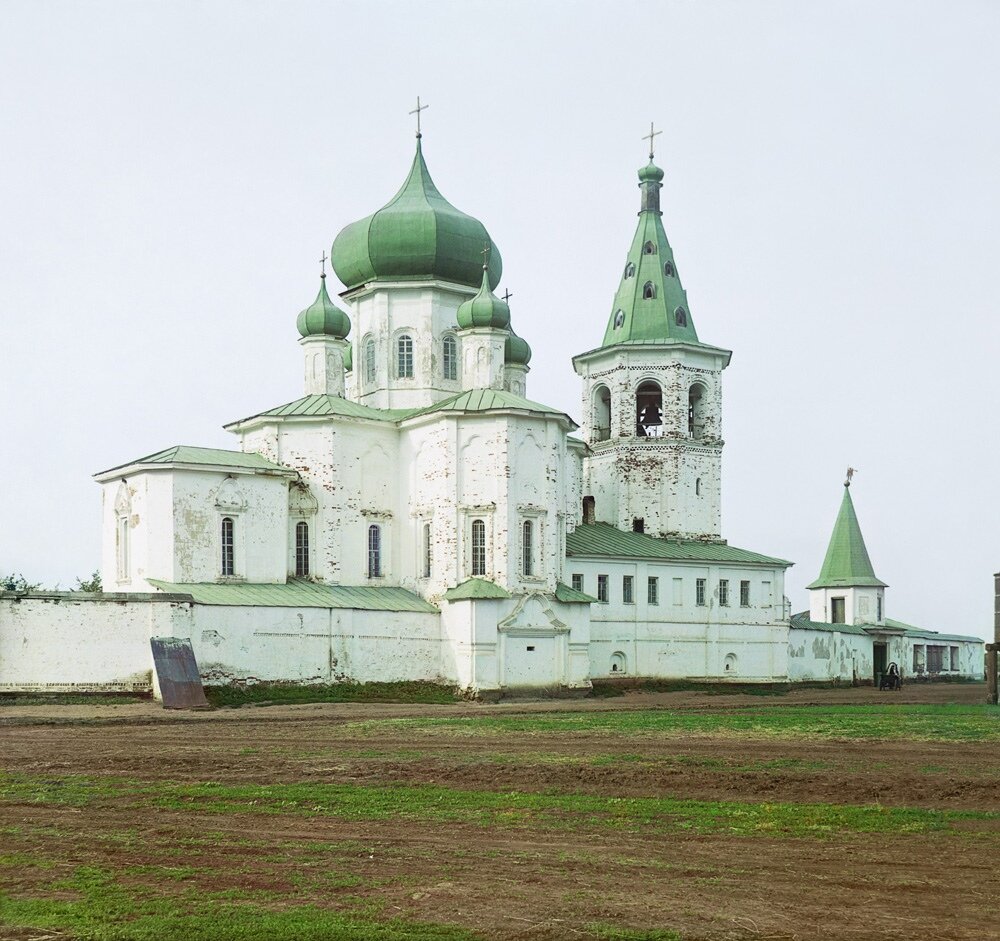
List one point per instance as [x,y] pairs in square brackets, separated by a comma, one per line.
[652,397]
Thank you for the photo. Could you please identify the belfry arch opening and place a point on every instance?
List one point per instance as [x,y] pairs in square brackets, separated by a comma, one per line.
[697,408]
[602,413]
[649,410]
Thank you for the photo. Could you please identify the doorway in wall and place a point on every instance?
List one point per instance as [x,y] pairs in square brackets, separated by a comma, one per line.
[880,659]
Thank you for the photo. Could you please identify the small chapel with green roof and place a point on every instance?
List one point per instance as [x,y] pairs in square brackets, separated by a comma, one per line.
[414,514]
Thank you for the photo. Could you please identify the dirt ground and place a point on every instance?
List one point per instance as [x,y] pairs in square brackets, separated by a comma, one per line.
[538,883]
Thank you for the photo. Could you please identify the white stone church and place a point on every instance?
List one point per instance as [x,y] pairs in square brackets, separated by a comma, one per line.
[414,515]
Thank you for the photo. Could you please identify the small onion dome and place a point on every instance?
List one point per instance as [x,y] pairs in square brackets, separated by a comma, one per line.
[516,351]
[323,317]
[650,172]
[348,357]
[485,309]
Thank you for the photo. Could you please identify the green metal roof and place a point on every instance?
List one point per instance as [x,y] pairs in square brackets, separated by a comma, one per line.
[186,454]
[569,595]
[605,541]
[802,622]
[417,234]
[476,589]
[650,270]
[487,400]
[847,564]
[323,405]
[323,317]
[298,593]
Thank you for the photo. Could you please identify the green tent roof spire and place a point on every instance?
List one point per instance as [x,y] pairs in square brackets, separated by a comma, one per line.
[847,564]
[651,304]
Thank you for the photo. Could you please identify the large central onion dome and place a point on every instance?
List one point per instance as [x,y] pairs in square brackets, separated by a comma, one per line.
[417,235]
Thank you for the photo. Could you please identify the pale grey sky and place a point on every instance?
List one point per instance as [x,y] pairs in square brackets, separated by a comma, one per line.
[171,172]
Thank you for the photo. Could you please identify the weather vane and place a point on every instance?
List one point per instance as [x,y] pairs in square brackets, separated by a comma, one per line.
[322,265]
[417,111]
[851,471]
[651,138]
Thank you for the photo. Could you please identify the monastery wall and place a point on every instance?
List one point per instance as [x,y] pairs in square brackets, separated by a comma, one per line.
[75,642]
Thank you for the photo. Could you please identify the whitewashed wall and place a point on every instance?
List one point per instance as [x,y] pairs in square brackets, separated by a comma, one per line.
[72,642]
[677,638]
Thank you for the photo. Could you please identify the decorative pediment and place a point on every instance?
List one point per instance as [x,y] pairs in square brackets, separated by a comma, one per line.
[229,496]
[123,500]
[532,615]
[301,502]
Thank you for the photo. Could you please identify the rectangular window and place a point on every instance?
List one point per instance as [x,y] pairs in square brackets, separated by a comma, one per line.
[699,592]
[678,591]
[428,557]
[652,590]
[527,548]
[450,358]
[954,658]
[724,592]
[628,591]
[745,593]
[478,547]
[878,607]
[837,611]
[122,547]
[374,551]
[404,357]
[577,583]
[934,659]
[918,658]
[602,588]
[228,546]
[301,549]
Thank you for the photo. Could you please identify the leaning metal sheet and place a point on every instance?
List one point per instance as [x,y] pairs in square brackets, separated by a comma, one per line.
[177,672]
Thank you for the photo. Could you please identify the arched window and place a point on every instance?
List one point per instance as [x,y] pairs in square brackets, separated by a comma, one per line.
[649,248]
[404,357]
[630,270]
[369,358]
[427,550]
[697,487]
[374,551]
[123,509]
[681,317]
[228,559]
[449,357]
[301,549]
[602,413]
[648,291]
[619,318]
[478,547]
[668,269]
[527,548]
[649,410]
[696,410]
[589,509]
[618,662]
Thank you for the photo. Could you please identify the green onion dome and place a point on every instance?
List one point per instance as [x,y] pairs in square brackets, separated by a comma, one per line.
[650,173]
[485,309]
[516,351]
[322,317]
[417,235]
[348,357]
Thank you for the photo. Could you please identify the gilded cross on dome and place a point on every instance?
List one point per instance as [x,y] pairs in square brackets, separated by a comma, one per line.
[417,111]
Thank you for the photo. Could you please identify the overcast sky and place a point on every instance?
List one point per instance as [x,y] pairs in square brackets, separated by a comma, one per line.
[170,173]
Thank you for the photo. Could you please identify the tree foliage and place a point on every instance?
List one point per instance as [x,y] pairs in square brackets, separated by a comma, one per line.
[91,584]
[15,581]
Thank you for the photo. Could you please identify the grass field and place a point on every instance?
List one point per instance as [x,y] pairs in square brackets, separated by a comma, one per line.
[759,820]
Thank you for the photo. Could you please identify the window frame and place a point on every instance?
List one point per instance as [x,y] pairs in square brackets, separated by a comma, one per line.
[723,592]
[628,589]
[477,547]
[449,357]
[227,546]
[374,568]
[427,550]
[576,581]
[405,359]
[602,589]
[653,590]
[368,360]
[745,593]
[699,592]
[302,549]
[838,605]
[528,549]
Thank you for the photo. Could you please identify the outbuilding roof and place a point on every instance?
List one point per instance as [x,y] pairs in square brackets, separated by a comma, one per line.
[603,540]
[299,593]
[216,457]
